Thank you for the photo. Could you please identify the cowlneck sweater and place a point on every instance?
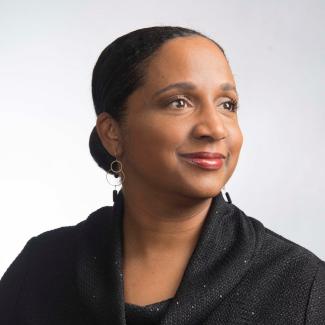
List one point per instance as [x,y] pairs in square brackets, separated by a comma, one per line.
[240,272]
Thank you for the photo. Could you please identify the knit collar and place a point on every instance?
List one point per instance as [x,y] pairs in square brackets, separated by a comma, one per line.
[221,258]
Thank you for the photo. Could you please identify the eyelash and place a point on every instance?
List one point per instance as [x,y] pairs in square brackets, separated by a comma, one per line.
[234,103]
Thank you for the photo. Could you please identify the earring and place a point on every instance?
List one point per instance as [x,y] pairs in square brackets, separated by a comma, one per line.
[227,194]
[118,170]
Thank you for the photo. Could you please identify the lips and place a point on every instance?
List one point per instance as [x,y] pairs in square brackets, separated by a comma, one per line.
[205,160]
[204,155]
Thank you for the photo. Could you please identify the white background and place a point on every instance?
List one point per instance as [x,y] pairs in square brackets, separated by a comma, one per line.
[47,52]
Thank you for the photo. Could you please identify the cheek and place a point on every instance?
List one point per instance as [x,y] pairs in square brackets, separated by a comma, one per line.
[153,143]
[235,138]
[234,143]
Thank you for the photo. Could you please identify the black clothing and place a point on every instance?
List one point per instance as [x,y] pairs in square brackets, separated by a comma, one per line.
[145,315]
[239,273]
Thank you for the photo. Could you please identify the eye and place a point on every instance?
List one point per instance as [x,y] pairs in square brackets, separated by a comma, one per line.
[230,105]
[179,102]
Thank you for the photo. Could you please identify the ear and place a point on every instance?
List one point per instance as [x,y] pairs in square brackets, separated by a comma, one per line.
[109,133]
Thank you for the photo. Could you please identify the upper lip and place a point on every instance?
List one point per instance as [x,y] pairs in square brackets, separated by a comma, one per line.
[204,155]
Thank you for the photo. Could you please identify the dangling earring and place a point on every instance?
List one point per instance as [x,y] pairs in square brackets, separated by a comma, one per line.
[116,175]
[227,194]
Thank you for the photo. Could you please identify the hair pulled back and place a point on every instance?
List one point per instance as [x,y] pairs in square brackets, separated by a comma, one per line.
[120,70]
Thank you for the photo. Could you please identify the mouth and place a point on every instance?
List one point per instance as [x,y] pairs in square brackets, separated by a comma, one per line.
[204,155]
[205,160]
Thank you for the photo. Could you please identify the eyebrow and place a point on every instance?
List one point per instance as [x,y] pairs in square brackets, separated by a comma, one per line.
[190,86]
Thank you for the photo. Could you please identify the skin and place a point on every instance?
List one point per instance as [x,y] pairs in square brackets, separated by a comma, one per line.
[167,198]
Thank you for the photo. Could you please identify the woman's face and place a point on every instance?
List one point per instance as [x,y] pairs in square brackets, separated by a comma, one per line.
[196,116]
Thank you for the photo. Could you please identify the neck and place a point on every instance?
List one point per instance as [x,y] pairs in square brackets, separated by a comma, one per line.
[160,224]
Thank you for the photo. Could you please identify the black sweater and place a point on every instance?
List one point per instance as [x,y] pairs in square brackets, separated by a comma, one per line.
[239,273]
[146,315]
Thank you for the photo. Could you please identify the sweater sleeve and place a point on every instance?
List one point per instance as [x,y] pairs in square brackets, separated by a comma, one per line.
[316,305]
[12,282]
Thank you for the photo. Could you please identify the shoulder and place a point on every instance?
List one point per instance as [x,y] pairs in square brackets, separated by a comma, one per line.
[284,275]
[279,253]
[57,246]
[71,232]
[273,244]
[279,244]
[66,238]
[316,303]
[45,267]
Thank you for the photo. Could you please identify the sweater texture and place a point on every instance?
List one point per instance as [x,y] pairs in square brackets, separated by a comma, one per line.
[240,272]
[145,315]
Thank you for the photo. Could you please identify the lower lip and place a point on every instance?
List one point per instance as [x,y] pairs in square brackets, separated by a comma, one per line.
[211,164]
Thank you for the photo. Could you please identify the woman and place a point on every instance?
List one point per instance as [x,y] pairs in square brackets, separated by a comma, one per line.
[171,250]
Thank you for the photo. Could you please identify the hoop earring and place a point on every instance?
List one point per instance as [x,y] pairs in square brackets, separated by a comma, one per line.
[116,172]
[227,194]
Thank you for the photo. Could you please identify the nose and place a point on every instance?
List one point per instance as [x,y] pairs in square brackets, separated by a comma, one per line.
[210,124]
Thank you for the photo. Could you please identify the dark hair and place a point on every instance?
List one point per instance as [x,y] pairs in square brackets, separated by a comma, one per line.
[120,70]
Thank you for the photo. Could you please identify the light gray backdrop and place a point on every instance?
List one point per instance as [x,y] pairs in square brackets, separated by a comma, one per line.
[48,49]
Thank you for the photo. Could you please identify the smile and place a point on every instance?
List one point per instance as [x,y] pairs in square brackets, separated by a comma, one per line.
[211,164]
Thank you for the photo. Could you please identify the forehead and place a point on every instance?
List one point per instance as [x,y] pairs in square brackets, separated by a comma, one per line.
[192,58]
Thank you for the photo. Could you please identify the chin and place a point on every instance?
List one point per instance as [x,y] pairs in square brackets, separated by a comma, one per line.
[204,192]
